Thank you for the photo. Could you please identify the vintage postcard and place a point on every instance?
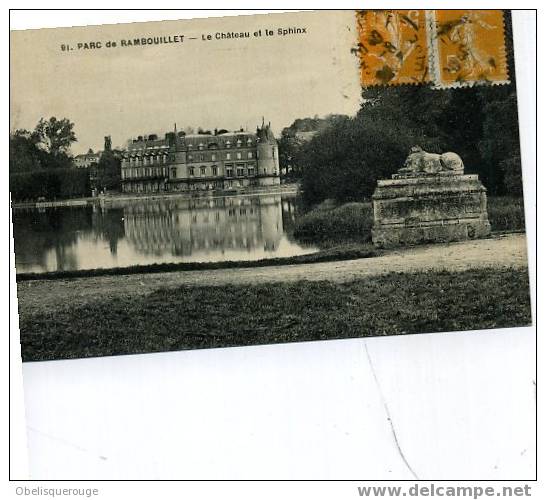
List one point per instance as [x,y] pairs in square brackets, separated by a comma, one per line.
[265,179]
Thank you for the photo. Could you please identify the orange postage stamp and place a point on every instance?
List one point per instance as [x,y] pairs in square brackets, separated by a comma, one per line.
[469,47]
[392,46]
[445,48]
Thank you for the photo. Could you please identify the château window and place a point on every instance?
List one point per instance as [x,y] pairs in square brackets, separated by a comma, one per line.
[249,154]
[229,171]
[239,143]
[228,144]
[191,171]
[203,171]
[240,171]
[201,146]
[190,157]
[250,170]
[213,156]
[173,173]
[239,156]
[228,156]
[215,171]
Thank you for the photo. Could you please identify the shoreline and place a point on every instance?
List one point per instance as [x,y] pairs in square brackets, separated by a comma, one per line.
[339,254]
[289,188]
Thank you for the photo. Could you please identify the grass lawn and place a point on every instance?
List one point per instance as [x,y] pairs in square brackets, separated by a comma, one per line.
[506,213]
[230,315]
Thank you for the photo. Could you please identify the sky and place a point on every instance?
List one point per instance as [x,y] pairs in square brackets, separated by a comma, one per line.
[228,83]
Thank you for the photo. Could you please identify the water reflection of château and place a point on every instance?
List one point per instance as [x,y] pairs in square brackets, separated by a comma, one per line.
[183,227]
[120,232]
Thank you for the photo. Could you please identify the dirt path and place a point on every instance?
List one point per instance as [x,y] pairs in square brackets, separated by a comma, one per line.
[501,251]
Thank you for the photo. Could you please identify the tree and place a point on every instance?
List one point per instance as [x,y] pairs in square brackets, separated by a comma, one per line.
[40,165]
[47,146]
[108,172]
[24,154]
[294,137]
[511,168]
[288,149]
[345,161]
[49,184]
[55,136]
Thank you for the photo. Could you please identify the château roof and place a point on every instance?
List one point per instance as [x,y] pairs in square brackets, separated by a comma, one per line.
[223,140]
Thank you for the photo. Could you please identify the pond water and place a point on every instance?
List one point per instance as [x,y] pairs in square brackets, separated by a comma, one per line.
[120,233]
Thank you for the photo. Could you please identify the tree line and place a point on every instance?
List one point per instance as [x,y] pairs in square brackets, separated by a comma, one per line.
[42,167]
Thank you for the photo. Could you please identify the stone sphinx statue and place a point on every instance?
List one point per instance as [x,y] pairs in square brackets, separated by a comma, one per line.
[421,162]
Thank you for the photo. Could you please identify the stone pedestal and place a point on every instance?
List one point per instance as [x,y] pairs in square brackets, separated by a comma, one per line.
[419,208]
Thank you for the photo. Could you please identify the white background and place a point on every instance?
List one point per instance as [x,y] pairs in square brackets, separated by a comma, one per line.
[462,405]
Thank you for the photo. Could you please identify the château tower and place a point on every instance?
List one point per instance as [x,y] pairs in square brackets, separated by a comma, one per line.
[268,156]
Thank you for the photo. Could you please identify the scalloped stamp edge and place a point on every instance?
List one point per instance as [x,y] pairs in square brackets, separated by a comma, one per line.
[437,79]
[433,73]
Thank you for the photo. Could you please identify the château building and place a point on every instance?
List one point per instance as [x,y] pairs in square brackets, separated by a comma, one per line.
[87,160]
[205,161]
